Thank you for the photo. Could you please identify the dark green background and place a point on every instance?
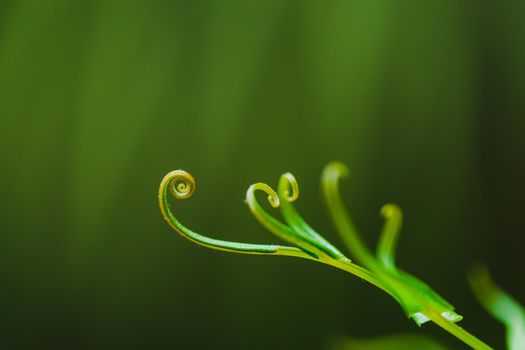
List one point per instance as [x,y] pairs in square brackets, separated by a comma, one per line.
[424,100]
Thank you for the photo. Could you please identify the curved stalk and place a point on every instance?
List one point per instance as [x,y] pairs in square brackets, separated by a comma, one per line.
[499,304]
[386,248]
[418,300]
[275,226]
[288,190]
[342,221]
[457,331]
[364,274]
[181,185]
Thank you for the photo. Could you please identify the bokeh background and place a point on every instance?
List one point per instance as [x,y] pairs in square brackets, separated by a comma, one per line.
[424,100]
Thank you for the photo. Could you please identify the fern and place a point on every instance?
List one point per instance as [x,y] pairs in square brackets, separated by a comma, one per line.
[418,300]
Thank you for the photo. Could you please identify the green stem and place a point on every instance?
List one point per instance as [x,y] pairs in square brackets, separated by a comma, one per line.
[457,331]
[447,325]
[369,276]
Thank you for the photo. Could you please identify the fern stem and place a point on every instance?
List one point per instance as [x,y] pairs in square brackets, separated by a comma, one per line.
[458,331]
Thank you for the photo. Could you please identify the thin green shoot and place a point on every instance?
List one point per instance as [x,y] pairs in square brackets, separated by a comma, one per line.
[417,299]
[500,305]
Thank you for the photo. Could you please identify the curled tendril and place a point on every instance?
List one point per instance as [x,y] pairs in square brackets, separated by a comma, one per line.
[181,185]
[414,296]
[294,185]
[390,210]
[273,198]
[292,217]
[273,225]
[418,300]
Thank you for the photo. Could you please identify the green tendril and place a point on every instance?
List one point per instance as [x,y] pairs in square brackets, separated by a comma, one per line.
[295,221]
[418,300]
[342,221]
[499,304]
[181,185]
[386,248]
[275,226]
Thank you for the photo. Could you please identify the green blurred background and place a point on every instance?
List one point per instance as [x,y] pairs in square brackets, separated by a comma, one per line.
[424,100]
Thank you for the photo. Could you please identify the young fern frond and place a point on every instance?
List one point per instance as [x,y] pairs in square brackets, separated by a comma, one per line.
[340,217]
[386,248]
[295,221]
[500,305]
[181,185]
[275,226]
[416,298]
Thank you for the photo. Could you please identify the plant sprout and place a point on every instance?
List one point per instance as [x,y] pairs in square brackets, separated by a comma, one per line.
[417,299]
[500,305]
